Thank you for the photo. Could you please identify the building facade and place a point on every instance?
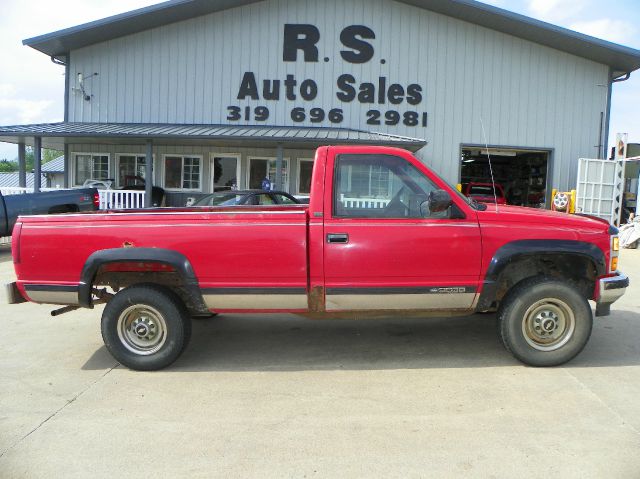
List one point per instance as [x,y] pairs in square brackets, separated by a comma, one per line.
[263,83]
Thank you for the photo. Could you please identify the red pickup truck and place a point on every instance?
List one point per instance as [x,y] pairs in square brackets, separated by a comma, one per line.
[383,236]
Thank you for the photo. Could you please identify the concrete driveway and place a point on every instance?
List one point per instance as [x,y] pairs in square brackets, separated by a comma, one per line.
[279,396]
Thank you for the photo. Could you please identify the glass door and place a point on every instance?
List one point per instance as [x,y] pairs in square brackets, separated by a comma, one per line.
[224,172]
[261,168]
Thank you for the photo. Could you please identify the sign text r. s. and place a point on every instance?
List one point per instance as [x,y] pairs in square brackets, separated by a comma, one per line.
[305,38]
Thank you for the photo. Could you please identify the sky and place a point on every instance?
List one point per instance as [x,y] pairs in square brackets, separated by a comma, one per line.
[32,88]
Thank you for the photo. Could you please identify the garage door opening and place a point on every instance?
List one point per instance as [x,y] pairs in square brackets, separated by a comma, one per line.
[520,175]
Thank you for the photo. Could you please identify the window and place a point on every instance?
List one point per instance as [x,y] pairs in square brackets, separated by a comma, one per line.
[130,167]
[305,169]
[261,168]
[225,172]
[90,167]
[379,186]
[182,172]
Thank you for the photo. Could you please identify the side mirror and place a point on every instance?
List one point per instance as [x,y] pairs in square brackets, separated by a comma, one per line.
[439,201]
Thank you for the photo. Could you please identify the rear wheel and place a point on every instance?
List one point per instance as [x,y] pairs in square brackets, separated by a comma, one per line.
[544,322]
[146,327]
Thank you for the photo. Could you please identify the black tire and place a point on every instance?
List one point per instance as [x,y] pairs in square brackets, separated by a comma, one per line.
[544,322]
[146,327]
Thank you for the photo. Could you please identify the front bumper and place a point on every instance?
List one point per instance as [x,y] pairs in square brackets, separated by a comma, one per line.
[13,294]
[612,288]
[609,291]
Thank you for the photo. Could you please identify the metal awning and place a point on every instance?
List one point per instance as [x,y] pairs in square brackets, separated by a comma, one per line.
[56,135]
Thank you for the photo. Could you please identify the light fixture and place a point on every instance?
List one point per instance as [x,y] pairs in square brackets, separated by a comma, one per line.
[498,152]
[81,81]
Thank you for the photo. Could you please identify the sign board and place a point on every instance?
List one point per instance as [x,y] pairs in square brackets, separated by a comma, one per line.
[387,102]
[621,146]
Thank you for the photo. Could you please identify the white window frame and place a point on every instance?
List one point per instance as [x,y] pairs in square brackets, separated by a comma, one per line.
[73,163]
[183,156]
[300,161]
[117,165]
[213,156]
[369,193]
[269,158]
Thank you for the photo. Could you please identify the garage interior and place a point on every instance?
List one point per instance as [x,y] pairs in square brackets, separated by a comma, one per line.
[521,173]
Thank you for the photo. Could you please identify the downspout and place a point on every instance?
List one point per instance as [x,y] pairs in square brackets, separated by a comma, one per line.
[621,79]
[612,80]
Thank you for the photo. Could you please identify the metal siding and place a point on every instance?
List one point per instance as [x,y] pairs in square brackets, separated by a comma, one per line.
[528,95]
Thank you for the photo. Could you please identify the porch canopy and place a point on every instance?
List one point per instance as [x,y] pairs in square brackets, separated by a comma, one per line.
[57,135]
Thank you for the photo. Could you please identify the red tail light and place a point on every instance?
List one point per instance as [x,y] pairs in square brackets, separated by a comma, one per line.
[96,200]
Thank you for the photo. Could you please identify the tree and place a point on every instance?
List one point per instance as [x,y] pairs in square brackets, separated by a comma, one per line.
[47,156]
[7,166]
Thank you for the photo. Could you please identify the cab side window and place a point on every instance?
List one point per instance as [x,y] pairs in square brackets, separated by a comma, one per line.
[379,186]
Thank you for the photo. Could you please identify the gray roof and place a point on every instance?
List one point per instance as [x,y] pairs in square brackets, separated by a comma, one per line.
[619,58]
[54,135]
[12,180]
[54,166]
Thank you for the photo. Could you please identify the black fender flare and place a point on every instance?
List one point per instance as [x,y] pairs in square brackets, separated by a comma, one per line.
[517,250]
[155,255]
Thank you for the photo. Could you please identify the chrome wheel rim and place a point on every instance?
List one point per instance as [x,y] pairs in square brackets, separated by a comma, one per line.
[142,329]
[548,324]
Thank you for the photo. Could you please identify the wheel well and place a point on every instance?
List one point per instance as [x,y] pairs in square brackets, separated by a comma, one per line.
[122,274]
[579,270]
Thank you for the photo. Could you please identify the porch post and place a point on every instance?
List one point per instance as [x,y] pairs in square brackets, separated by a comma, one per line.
[37,163]
[148,175]
[66,167]
[22,166]
[279,155]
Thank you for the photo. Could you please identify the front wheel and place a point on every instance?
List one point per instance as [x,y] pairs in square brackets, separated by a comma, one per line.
[145,327]
[544,322]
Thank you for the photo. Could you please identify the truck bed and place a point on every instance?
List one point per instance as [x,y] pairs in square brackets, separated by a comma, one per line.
[222,245]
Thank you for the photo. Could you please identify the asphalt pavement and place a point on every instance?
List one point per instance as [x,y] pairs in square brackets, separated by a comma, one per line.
[280,396]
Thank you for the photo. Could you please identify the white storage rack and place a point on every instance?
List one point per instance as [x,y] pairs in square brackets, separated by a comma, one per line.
[599,189]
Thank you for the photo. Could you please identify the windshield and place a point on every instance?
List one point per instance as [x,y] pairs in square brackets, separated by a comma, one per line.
[470,201]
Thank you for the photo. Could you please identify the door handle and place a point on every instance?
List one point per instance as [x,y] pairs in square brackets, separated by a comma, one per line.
[337,238]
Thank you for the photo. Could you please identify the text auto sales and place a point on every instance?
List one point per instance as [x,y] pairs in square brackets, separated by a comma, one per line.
[304,38]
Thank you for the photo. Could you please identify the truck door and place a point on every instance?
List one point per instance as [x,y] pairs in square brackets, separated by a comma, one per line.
[381,251]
